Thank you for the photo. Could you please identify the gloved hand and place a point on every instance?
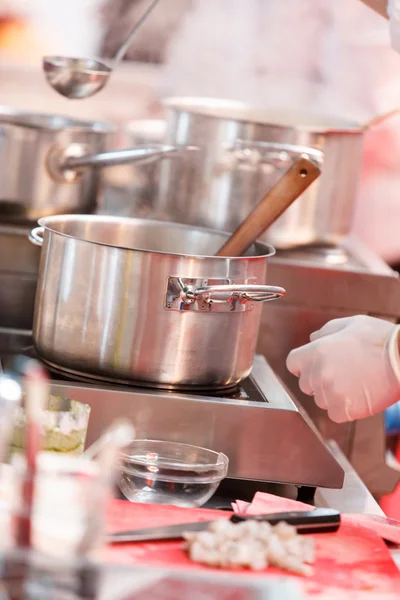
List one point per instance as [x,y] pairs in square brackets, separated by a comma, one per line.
[351,367]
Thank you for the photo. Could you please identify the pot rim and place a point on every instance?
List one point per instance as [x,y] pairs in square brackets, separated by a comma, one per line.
[274,117]
[52,122]
[46,222]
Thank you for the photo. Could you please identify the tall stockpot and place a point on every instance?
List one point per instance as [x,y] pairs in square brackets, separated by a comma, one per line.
[50,164]
[130,190]
[238,163]
[127,300]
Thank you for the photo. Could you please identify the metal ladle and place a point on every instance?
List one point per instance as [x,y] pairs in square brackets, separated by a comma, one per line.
[77,78]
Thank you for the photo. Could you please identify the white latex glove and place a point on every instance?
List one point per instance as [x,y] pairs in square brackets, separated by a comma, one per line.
[351,367]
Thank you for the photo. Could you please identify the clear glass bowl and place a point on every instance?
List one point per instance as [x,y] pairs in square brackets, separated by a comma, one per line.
[157,472]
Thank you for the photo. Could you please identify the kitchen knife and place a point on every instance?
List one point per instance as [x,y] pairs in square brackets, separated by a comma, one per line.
[319,520]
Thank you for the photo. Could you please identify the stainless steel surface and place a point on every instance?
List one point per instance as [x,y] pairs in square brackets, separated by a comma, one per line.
[223,296]
[66,164]
[116,157]
[43,148]
[271,439]
[354,497]
[75,78]
[17,300]
[131,190]
[19,266]
[221,185]
[27,190]
[371,458]
[100,306]
[78,78]
[294,182]
[15,340]
[16,253]
[323,284]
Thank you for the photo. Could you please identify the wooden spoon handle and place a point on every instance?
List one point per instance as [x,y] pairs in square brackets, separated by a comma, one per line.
[379,6]
[293,183]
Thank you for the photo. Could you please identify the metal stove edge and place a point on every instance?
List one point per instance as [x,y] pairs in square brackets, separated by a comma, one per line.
[270,441]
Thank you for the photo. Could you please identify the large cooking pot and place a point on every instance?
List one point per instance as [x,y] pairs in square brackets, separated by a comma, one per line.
[130,190]
[136,300]
[49,164]
[220,185]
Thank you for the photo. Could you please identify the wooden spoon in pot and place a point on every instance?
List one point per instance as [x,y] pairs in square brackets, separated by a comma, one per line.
[293,183]
[379,6]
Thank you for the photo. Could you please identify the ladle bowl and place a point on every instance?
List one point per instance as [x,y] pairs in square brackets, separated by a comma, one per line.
[75,77]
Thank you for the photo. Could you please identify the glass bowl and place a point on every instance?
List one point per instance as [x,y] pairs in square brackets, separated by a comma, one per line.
[157,472]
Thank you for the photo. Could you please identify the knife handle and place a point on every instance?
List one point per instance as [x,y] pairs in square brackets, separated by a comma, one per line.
[318,520]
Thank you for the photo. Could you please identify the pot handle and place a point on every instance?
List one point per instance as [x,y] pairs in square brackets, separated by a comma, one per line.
[119,157]
[280,155]
[224,293]
[36,236]
[66,163]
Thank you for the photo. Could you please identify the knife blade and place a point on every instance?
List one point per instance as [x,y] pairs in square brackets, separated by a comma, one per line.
[318,520]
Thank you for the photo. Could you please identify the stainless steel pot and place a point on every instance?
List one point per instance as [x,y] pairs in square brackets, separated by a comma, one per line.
[131,190]
[137,300]
[49,164]
[219,186]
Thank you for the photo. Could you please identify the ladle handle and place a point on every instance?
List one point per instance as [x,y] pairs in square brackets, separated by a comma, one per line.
[121,52]
[293,183]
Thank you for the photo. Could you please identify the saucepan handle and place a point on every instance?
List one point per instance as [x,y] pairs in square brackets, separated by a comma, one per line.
[281,156]
[36,236]
[225,293]
[65,164]
[113,158]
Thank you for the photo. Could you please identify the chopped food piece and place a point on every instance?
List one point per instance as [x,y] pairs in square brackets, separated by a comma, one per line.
[63,428]
[252,545]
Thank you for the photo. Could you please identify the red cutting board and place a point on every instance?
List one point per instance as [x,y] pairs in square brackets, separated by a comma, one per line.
[352,564]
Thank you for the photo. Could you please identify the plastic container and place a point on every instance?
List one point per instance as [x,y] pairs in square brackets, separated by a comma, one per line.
[64,427]
[157,472]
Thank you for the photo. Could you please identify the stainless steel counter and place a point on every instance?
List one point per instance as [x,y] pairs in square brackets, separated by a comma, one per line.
[354,497]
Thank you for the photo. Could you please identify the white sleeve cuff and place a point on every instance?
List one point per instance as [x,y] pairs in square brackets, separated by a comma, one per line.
[393,351]
[393,11]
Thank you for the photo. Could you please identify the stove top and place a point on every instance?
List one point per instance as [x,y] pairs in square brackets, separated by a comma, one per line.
[349,254]
[265,434]
[247,390]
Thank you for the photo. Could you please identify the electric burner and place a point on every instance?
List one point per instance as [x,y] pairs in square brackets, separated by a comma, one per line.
[247,390]
[238,391]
